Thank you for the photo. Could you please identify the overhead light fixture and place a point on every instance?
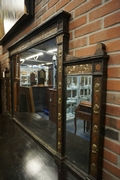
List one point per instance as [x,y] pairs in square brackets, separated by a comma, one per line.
[35,55]
[52,50]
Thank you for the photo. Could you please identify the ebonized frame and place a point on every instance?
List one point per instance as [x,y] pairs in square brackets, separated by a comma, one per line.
[99,73]
[57,27]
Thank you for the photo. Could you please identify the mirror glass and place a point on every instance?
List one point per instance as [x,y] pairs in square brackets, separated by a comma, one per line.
[37,98]
[78,115]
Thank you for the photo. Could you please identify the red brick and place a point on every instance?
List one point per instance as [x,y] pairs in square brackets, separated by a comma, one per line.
[71,35]
[110,156]
[52,3]
[113,98]
[107,176]
[118,124]
[78,43]
[50,12]
[112,122]
[112,19]
[113,72]
[86,7]
[105,35]
[85,51]
[114,59]
[37,8]
[61,4]
[113,110]
[112,145]
[111,168]
[71,53]
[72,5]
[88,28]
[37,22]
[78,22]
[105,9]
[113,45]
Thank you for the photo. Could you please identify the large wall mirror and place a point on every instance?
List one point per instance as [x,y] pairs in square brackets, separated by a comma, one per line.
[35,91]
[75,98]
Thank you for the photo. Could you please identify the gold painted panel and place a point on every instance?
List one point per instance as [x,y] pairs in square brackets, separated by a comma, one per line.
[78,69]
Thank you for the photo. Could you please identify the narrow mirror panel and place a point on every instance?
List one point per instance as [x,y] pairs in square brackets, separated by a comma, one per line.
[78,118]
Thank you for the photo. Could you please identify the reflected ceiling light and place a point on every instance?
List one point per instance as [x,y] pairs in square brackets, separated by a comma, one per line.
[22,61]
[33,166]
[52,50]
[49,63]
[35,55]
[54,58]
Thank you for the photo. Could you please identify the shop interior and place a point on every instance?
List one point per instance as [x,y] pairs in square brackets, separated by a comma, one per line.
[38,103]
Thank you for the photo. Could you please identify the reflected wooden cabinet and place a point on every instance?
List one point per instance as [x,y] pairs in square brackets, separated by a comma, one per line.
[79,88]
[16,93]
[53,105]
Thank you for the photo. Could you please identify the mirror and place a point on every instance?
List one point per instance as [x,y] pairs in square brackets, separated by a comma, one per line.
[83,112]
[37,95]
[78,115]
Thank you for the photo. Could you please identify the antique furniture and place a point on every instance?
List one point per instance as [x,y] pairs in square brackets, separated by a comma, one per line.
[32,79]
[26,103]
[79,88]
[41,76]
[40,97]
[83,112]
[52,105]
[67,65]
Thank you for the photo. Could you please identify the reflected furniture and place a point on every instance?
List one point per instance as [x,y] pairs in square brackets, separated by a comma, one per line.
[40,97]
[32,79]
[83,112]
[52,105]
[41,76]
[26,103]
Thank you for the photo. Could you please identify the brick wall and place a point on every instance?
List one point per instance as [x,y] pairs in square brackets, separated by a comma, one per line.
[4,61]
[93,21]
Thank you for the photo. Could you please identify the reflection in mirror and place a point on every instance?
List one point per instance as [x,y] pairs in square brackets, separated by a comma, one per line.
[38,92]
[78,119]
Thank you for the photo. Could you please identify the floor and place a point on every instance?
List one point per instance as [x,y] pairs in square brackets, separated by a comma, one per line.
[44,131]
[22,158]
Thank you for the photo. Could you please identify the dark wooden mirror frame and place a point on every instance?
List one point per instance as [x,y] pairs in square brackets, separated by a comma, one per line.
[57,27]
[99,73]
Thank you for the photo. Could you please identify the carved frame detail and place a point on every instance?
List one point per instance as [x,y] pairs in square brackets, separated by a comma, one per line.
[92,65]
